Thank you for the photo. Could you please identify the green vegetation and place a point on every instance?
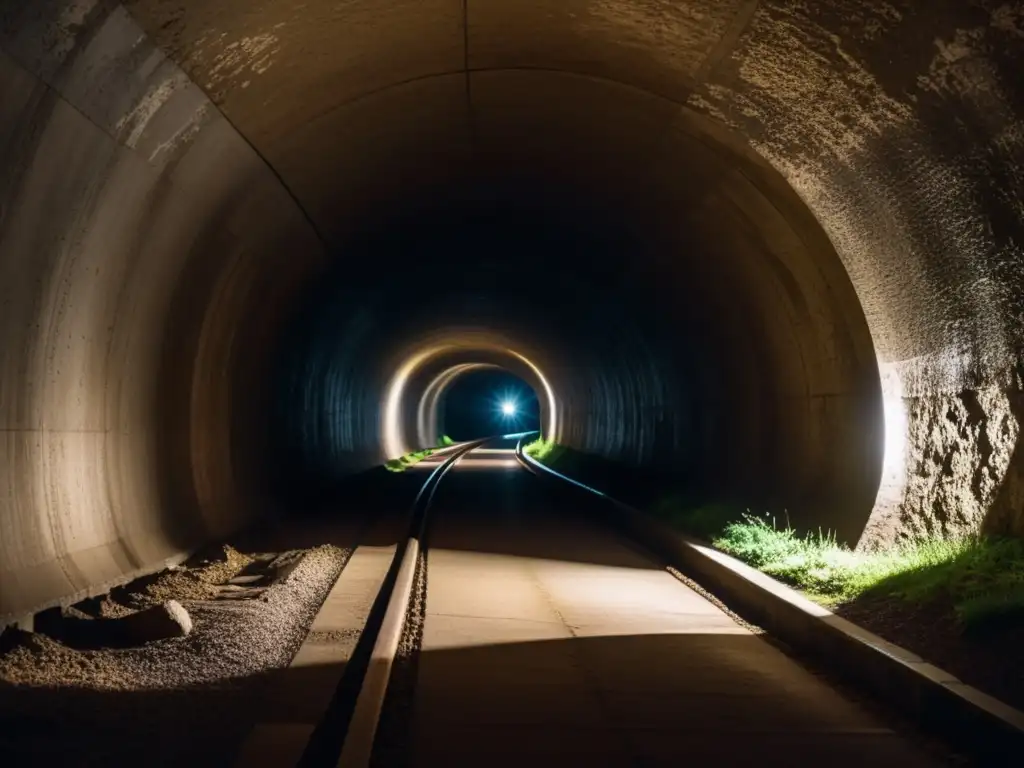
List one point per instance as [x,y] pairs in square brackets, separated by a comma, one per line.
[982,578]
[402,463]
[544,451]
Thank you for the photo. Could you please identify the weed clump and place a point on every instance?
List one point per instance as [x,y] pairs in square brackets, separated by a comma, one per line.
[982,577]
[544,451]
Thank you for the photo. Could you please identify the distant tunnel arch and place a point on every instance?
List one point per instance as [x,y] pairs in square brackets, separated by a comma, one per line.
[413,393]
[431,410]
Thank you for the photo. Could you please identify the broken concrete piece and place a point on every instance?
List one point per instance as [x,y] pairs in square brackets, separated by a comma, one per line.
[160,622]
[242,593]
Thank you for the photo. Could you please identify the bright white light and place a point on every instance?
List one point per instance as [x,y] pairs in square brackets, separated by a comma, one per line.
[508,408]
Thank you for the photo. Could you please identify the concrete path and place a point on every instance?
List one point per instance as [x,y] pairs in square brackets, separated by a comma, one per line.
[298,697]
[548,641]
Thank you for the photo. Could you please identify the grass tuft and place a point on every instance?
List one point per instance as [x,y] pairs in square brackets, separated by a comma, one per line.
[402,463]
[982,577]
[544,451]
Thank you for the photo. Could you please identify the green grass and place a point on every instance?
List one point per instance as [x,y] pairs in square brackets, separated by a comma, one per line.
[983,578]
[544,451]
[402,463]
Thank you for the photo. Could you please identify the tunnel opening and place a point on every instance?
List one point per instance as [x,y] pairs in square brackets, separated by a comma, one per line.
[485,402]
[765,252]
[729,355]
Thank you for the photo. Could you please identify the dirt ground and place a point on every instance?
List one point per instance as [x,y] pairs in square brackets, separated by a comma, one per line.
[990,660]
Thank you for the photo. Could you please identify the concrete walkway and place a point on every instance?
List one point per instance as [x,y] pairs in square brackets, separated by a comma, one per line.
[548,641]
[299,696]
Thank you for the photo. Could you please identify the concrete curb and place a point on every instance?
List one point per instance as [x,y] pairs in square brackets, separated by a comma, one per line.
[960,713]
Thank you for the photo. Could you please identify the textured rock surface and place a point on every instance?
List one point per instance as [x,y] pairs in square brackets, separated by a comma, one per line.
[900,125]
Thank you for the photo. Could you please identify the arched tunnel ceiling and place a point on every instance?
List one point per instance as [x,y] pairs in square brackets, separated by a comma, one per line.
[745,229]
[276,67]
[896,122]
[347,101]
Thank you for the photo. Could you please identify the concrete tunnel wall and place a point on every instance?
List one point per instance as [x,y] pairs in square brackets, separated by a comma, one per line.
[828,197]
[137,292]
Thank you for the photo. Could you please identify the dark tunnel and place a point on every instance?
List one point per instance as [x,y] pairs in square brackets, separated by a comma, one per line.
[484,402]
[771,248]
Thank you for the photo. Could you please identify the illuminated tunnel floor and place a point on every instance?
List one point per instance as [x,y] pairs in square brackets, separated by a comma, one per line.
[546,640]
[543,639]
[480,458]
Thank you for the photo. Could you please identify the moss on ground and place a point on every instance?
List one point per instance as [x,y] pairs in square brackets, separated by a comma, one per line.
[402,463]
[544,451]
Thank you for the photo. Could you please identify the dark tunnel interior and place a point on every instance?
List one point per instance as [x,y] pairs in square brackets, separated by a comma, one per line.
[771,249]
[488,260]
[487,402]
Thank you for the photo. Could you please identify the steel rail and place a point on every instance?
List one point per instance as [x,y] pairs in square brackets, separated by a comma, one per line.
[385,629]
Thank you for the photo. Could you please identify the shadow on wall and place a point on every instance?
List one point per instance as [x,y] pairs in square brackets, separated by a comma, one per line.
[1006,513]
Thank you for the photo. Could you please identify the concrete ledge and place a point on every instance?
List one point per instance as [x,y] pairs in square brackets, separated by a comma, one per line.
[961,714]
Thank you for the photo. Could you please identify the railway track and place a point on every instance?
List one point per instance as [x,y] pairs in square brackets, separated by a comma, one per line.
[546,639]
[357,748]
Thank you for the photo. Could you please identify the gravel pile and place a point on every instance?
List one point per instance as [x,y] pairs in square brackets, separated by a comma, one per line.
[200,582]
[183,701]
[230,638]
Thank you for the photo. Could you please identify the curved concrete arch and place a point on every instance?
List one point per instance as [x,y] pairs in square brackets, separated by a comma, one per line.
[773,248]
[427,430]
[412,393]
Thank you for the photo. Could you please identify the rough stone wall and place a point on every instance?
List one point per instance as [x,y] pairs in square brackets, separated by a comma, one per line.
[970,438]
[900,124]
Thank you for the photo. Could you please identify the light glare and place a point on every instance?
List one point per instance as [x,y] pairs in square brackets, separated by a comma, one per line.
[508,408]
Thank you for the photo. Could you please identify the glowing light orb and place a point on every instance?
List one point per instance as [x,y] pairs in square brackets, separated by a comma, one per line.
[508,408]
